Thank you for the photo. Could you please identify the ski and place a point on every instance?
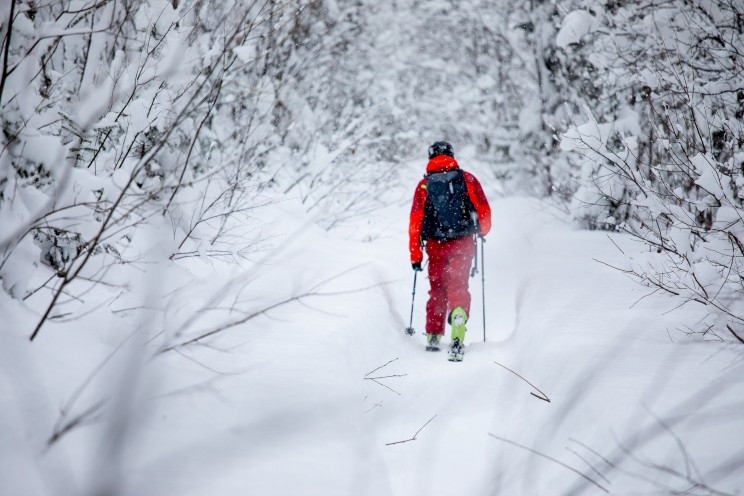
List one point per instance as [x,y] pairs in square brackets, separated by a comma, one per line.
[456,357]
[457,351]
[432,342]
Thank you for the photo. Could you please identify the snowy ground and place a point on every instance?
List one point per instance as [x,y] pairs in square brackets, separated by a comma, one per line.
[280,404]
[134,398]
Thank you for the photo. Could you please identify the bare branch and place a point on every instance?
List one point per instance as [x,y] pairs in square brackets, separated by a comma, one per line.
[547,457]
[414,436]
[541,396]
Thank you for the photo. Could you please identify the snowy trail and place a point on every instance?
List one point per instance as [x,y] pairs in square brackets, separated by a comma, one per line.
[280,405]
[303,417]
[578,331]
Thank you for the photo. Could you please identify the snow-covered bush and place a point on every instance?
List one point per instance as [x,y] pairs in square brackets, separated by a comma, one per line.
[663,147]
[117,115]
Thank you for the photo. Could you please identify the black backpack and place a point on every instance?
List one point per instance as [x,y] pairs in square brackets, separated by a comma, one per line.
[448,211]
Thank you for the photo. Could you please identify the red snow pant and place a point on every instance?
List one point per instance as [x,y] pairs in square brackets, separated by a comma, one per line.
[449,269]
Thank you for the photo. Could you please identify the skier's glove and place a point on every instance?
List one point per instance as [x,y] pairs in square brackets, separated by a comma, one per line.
[416,266]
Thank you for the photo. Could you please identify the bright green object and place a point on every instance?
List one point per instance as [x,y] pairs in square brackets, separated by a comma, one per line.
[458,317]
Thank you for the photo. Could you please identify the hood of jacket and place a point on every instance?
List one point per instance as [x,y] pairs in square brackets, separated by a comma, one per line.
[441,163]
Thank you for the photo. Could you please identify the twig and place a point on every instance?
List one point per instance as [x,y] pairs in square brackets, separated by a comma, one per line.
[414,436]
[87,416]
[589,464]
[6,50]
[616,246]
[381,366]
[547,457]
[62,425]
[376,379]
[376,405]
[311,293]
[385,386]
[734,333]
[542,395]
[689,463]
[596,453]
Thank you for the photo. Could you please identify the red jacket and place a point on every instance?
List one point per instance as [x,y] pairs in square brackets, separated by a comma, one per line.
[444,163]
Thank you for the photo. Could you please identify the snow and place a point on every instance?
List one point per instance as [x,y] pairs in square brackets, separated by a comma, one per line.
[280,404]
[709,179]
[21,265]
[530,119]
[194,365]
[245,53]
[576,25]
[591,135]
[24,26]
[628,122]
[96,104]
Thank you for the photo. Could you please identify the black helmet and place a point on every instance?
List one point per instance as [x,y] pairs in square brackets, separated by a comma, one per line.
[441,148]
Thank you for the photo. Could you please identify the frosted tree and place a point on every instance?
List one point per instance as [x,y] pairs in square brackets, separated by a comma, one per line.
[119,115]
[662,149]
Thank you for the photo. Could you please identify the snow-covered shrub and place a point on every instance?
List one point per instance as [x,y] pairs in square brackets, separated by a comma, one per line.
[663,148]
[117,115]
[535,105]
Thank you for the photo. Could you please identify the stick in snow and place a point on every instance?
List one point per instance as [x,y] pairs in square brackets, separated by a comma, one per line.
[376,379]
[541,396]
[734,333]
[380,367]
[414,436]
[551,459]
[385,386]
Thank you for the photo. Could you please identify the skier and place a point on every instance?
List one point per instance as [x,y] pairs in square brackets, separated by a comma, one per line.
[448,209]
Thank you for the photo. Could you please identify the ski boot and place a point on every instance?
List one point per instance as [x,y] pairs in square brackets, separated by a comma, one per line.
[457,318]
[457,352]
[432,342]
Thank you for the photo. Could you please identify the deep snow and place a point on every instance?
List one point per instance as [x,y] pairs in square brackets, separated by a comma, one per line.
[280,404]
[283,404]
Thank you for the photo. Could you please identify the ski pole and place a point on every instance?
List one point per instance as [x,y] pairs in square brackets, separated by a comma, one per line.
[483,283]
[409,329]
[474,270]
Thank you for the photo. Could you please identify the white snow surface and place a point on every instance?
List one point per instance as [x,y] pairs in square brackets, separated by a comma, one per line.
[576,25]
[283,404]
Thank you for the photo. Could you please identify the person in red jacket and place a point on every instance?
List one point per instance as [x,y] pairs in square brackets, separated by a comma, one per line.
[449,209]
